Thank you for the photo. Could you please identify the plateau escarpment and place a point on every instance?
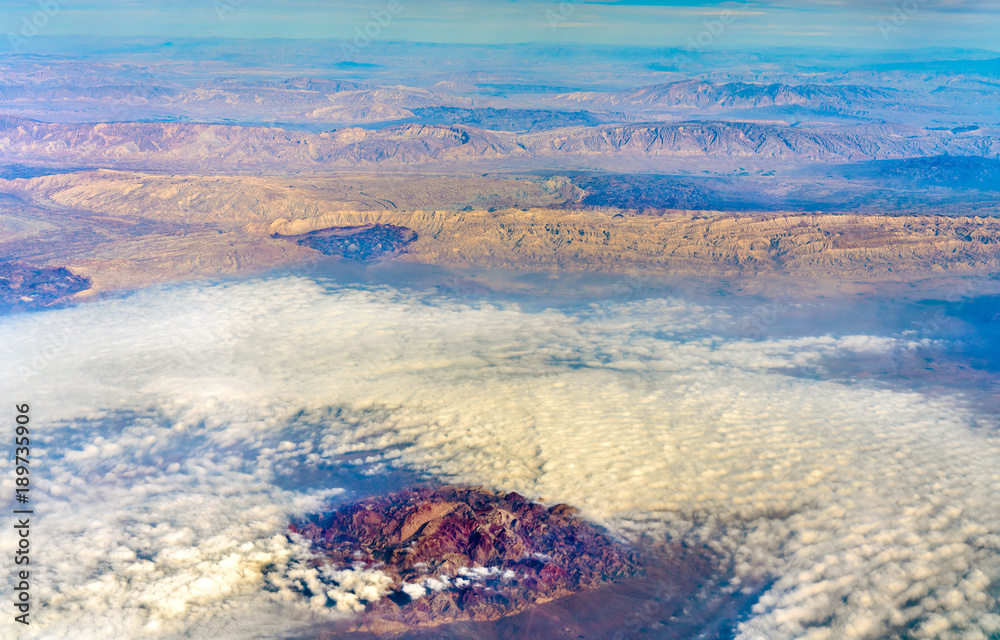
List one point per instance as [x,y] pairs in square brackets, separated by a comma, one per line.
[125,230]
[689,242]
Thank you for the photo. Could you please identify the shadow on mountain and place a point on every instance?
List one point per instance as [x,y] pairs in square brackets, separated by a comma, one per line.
[18,171]
[952,172]
[506,119]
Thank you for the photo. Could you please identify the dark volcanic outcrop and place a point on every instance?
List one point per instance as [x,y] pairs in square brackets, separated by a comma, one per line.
[465,554]
[366,243]
[25,286]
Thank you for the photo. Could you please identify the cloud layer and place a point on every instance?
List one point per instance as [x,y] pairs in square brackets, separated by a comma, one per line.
[180,428]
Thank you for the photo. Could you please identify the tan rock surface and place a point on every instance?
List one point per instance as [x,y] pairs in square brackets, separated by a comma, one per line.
[688,242]
[127,230]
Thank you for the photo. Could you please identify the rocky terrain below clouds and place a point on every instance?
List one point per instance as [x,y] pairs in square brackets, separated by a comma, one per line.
[622,170]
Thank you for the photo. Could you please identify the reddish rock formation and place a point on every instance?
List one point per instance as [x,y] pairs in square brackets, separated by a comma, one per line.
[465,554]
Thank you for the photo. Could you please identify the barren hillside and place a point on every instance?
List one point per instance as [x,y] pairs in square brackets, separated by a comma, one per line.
[125,230]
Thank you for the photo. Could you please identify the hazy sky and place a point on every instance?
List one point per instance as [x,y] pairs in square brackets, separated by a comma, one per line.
[848,23]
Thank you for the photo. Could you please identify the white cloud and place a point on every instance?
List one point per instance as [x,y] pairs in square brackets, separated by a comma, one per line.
[874,509]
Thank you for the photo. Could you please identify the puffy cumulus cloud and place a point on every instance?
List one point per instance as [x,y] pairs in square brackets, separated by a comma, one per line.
[875,510]
[126,549]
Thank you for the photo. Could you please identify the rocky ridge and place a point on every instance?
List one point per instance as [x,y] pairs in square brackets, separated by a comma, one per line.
[711,146]
[464,553]
[191,227]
